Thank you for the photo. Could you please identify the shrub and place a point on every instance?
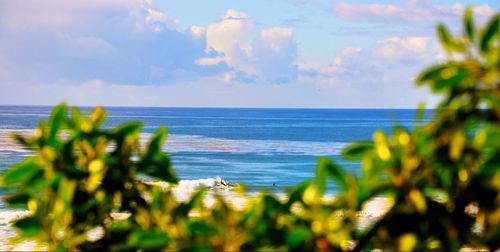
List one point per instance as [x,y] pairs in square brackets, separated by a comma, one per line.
[442,179]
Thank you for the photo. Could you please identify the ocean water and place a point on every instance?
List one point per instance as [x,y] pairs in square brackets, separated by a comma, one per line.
[257,147]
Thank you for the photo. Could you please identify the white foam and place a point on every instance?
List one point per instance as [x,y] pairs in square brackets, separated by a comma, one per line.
[185,188]
[8,144]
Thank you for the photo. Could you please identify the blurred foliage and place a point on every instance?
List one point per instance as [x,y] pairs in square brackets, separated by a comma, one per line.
[441,180]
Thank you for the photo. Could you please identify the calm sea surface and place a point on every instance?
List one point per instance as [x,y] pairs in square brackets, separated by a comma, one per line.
[257,147]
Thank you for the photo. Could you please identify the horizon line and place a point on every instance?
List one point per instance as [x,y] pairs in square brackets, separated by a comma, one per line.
[206,107]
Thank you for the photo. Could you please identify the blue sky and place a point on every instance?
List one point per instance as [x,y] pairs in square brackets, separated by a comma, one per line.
[295,53]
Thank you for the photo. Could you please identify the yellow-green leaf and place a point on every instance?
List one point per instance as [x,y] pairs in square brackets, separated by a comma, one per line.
[469,24]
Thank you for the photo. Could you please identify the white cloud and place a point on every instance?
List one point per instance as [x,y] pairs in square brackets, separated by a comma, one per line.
[210,61]
[359,11]
[372,76]
[197,31]
[226,36]
[276,37]
[89,47]
[85,53]
[411,11]
[409,48]
[268,57]
[346,52]
[158,20]
[58,14]
[126,41]
[81,14]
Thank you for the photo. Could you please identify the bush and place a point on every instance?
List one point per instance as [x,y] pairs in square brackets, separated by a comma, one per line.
[442,179]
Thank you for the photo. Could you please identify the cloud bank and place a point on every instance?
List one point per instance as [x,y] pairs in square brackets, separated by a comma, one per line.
[131,52]
[409,11]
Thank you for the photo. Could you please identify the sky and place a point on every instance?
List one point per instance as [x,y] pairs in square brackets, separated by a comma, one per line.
[221,53]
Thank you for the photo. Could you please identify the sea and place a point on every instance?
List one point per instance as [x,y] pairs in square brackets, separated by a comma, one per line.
[264,149]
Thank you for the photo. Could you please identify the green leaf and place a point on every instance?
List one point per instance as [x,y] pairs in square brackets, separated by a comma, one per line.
[154,162]
[127,129]
[419,114]
[469,24]
[443,77]
[448,41]
[196,247]
[437,194]
[29,226]
[156,141]
[271,203]
[120,226]
[432,73]
[452,81]
[297,192]
[158,166]
[492,165]
[76,118]
[200,228]
[492,137]
[325,168]
[148,240]
[196,200]
[57,120]
[18,200]
[298,236]
[357,150]
[20,173]
[491,31]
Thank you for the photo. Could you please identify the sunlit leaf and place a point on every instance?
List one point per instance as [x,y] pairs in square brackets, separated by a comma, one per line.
[127,128]
[297,192]
[357,150]
[431,74]
[157,140]
[407,242]
[492,30]
[469,24]
[98,116]
[447,82]
[456,145]
[326,168]
[20,172]
[158,166]
[418,200]
[448,41]
[57,120]
[381,147]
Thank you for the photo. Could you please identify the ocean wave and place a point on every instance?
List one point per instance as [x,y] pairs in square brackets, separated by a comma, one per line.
[196,143]
[8,144]
[186,187]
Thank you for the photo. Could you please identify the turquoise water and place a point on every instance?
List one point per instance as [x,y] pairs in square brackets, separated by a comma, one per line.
[258,147]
